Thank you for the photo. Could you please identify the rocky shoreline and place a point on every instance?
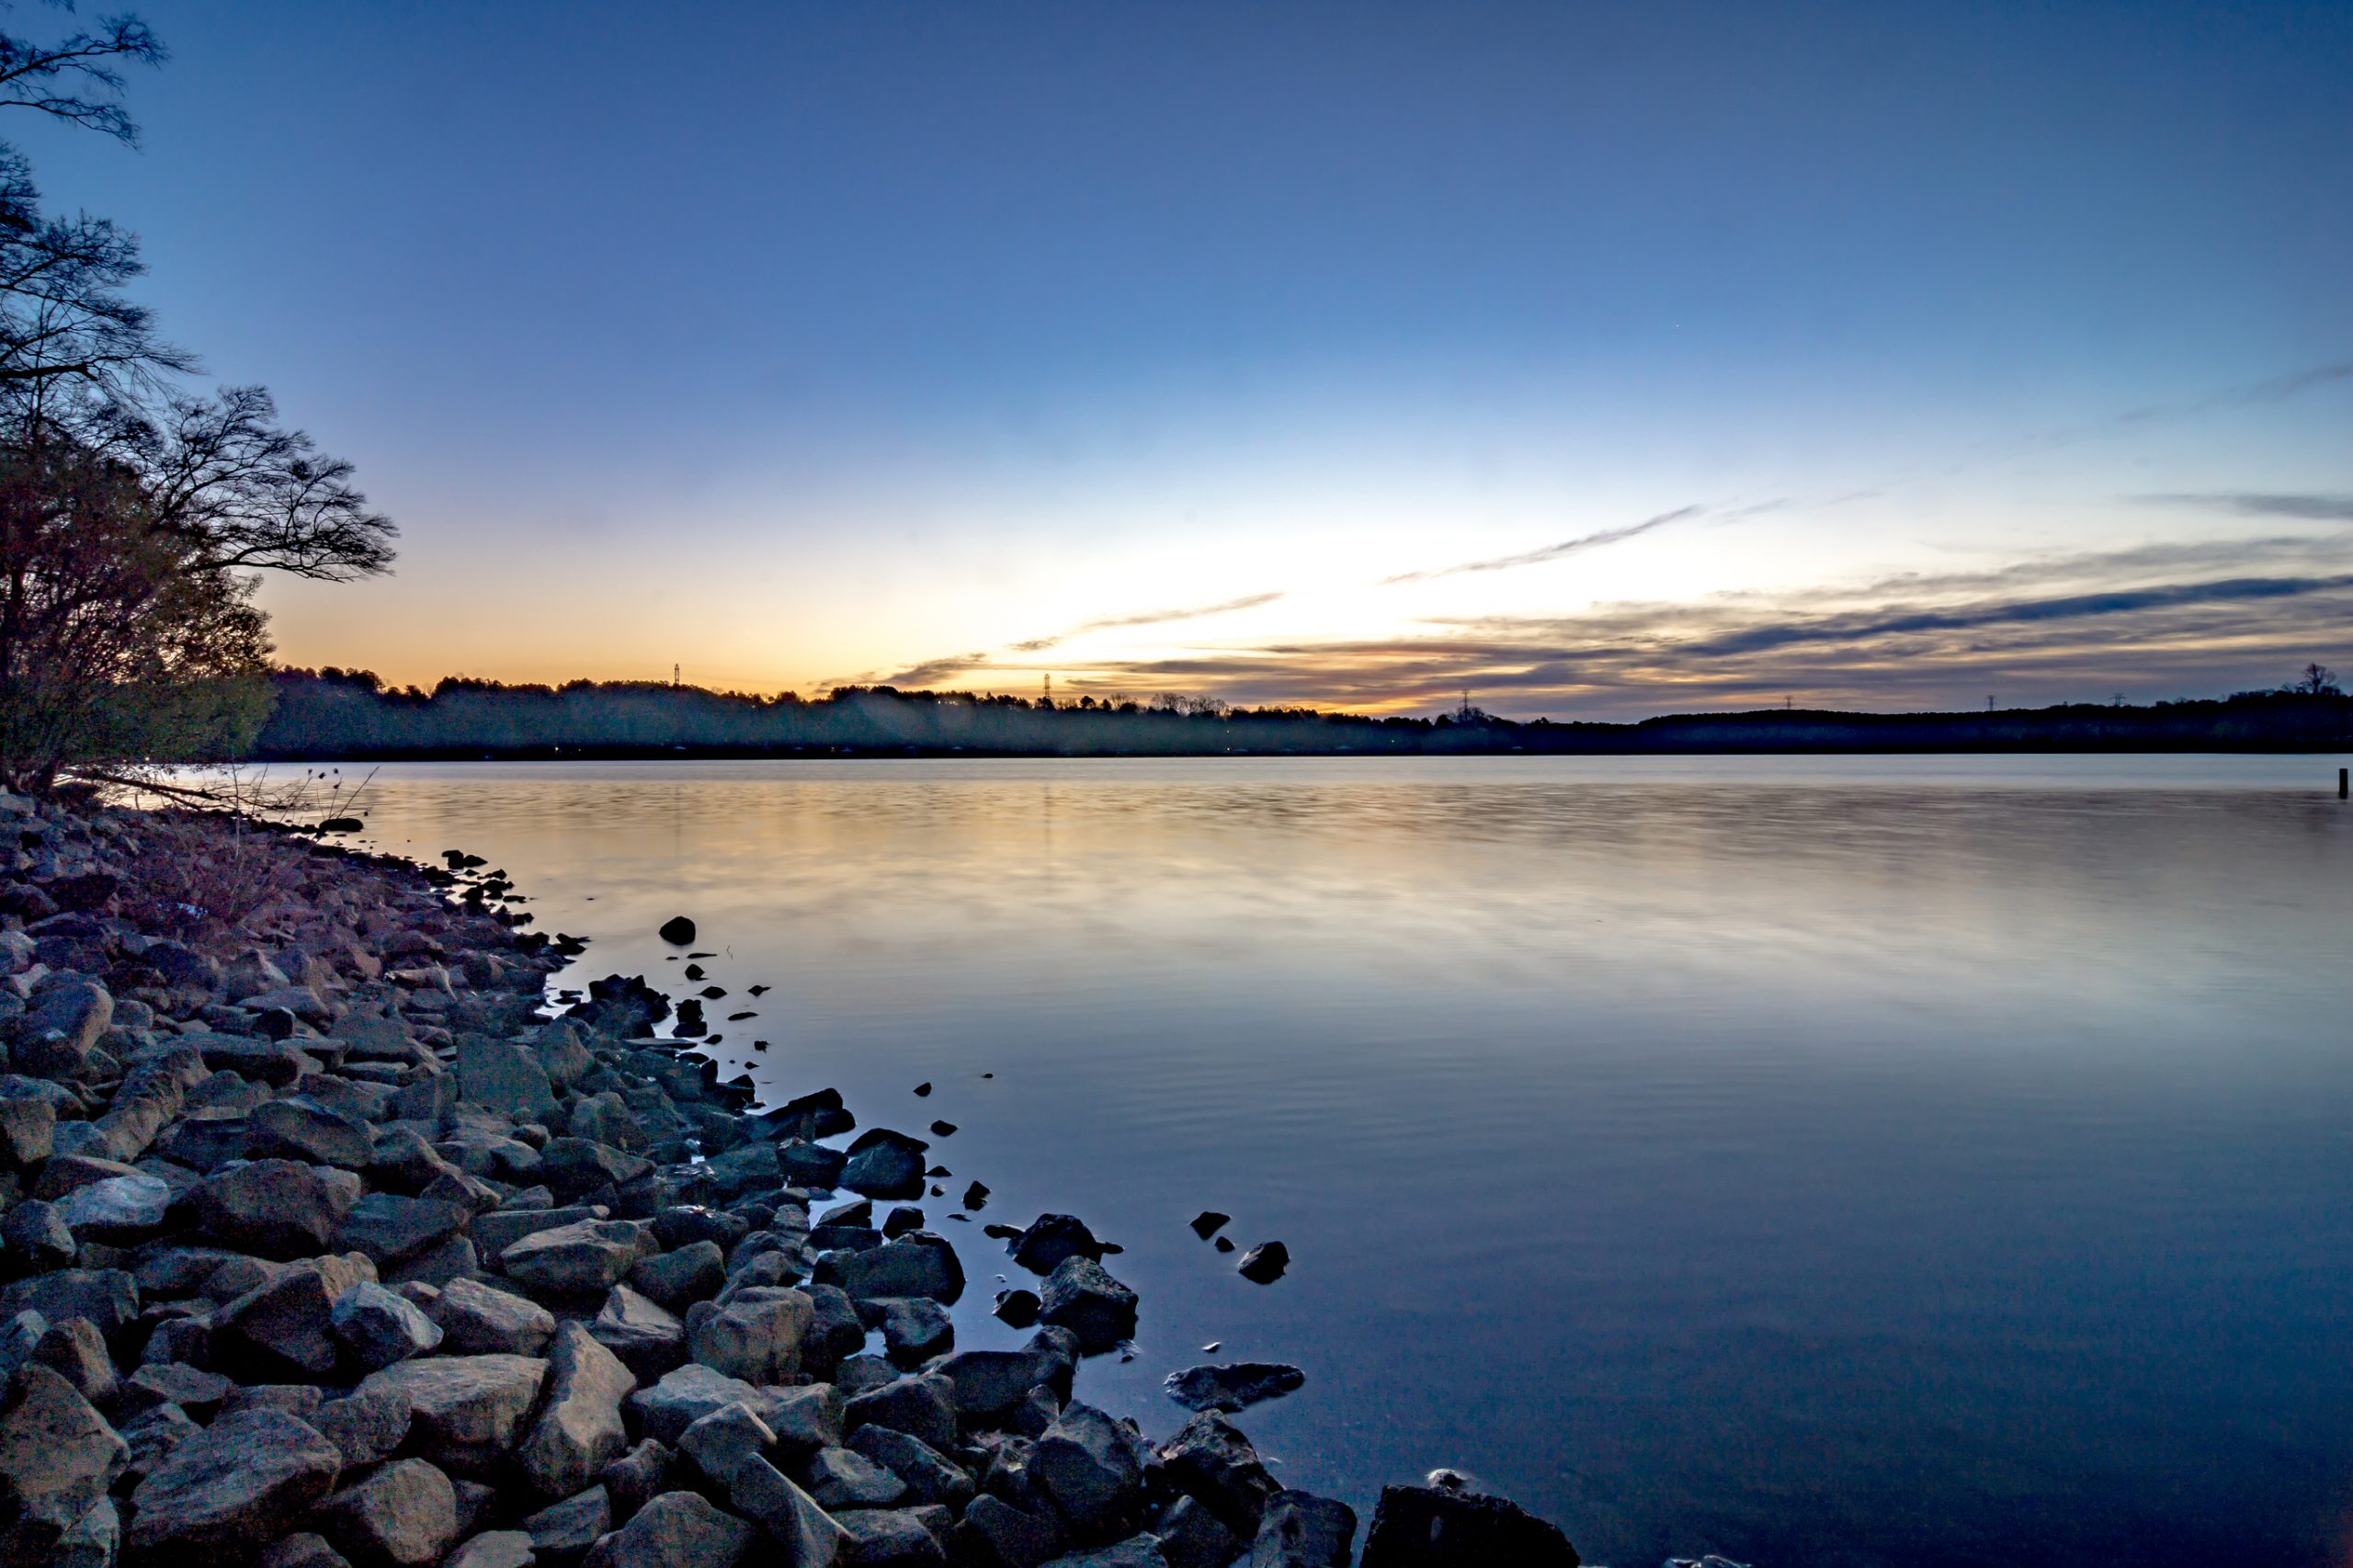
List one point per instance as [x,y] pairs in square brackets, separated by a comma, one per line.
[322,1244]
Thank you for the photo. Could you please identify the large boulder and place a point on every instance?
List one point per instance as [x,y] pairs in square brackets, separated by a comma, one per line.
[285,1327]
[649,1340]
[58,1457]
[118,1209]
[505,1077]
[1050,1238]
[54,1037]
[482,1320]
[1210,1461]
[918,1264]
[799,1418]
[756,1337]
[108,1297]
[1091,1466]
[810,1536]
[883,1164]
[579,1427]
[402,1515]
[229,1490]
[390,1228]
[677,1529]
[929,1475]
[576,1262]
[888,1538]
[468,1402]
[376,1327]
[1423,1526]
[1082,1298]
[918,1407]
[299,1128]
[280,1208]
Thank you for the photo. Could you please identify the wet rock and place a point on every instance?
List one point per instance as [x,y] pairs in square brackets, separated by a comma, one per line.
[844,1478]
[928,1475]
[1091,1467]
[976,1197]
[58,1457]
[884,1163]
[1082,1298]
[901,1220]
[677,1529]
[679,931]
[278,1209]
[467,1401]
[1426,1526]
[836,1331]
[1265,1263]
[579,1428]
[811,1165]
[921,1264]
[230,1489]
[1016,1308]
[1208,1460]
[1301,1531]
[985,1383]
[915,1329]
[649,1340]
[1191,1537]
[482,1320]
[1049,1239]
[402,1515]
[1234,1387]
[376,1328]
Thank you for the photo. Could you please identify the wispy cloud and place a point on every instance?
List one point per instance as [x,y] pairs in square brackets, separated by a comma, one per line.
[2262,504]
[931,670]
[1147,618]
[1551,551]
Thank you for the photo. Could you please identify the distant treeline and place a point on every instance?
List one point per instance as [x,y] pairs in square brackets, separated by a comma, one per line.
[338,714]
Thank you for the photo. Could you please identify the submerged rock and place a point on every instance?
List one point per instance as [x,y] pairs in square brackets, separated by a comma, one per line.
[1234,1387]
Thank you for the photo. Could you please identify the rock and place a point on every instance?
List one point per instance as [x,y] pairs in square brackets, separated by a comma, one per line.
[993,1533]
[198,1393]
[1265,1263]
[561,1531]
[677,1529]
[985,1383]
[888,1538]
[637,1476]
[505,1077]
[404,1516]
[1191,1537]
[756,1337]
[574,1167]
[286,1327]
[724,1442]
[120,1208]
[678,1280]
[54,1037]
[648,1341]
[1424,1526]
[108,1297]
[883,1164]
[1136,1551]
[389,1228]
[805,1163]
[1017,1309]
[482,1320]
[1049,1239]
[836,1331]
[27,1132]
[1301,1531]
[1092,1469]
[37,1237]
[376,1328]
[298,1127]
[494,1233]
[576,1262]
[1081,1297]
[1209,1223]
[919,1406]
[473,1401]
[1211,1462]
[928,1475]
[690,1392]
[917,1265]
[579,1428]
[74,1351]
[679,931]
[1234,1387]
[915,1329]
[364,1425]
[844,1478]
[58,1457]
[809,1537]
[278,1209]
[303,1550]
[493,1549]
[452,1260]
[230,1489]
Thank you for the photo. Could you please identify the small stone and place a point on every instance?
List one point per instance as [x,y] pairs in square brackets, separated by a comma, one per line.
[1016,1307]
[1209,1223]
[1265,1263]
[679,931]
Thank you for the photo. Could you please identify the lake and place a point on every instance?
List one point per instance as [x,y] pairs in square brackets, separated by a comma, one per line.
[1825,1161]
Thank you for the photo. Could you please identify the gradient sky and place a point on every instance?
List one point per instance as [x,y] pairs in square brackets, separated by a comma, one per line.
[1334,353]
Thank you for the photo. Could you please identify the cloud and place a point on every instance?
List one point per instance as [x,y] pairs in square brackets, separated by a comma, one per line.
[2262,504]
[931,670]
[1566,547]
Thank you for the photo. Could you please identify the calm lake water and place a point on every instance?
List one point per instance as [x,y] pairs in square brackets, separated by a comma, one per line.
[1904,1161]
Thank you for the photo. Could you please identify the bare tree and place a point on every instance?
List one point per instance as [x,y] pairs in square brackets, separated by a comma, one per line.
[2317,680]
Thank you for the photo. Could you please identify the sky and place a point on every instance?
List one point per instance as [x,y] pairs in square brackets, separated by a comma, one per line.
[1601,360]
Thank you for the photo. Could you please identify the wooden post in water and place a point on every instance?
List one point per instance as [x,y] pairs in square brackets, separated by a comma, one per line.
[2344,782]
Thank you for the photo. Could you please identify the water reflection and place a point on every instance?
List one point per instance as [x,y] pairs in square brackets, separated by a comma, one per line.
[1836,1161]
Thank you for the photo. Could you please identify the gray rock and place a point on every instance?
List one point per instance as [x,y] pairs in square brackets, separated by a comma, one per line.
[482,1320]
[1091,1466]
[561,1531]
[402,1515]
[928,1475]
[493,1549]
[1136,1551]
[844,1478]
[756,1337]
[92,1541]
[678,1278]
[1301,1531]
[153,1435]
[805,1163]
[27,1132]
[231,1489]
[1191,1537]
[36,1238]
[120,1208]
[574,1167]
[917,1406]
[198,1392]
[302,1550]
[888,1538]
[915,1329]
[467,1401]
[687,1394]
[54,1038]
[389,1228]
[836,1331]
[58,1457]
[724,1441]
[883,1164]
[576,1262]
[920,1263]
[993,1533]
[1210,1461]
[365,1425]
[505,1077]
[638,1476]
[1423,1526]
[579,1429]
[108,1297]
[677,1529]
[376,1328]
[648,1341]
[810,1536]
[299,1128]
[1049,1239]
[280,1209]
[1234,1387]
[987,1382]
[74,1351]
[286,1327]
[1081,1297]
[494,1233]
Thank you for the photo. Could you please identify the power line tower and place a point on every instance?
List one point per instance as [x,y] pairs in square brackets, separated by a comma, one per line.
[1048,700]
[673,677]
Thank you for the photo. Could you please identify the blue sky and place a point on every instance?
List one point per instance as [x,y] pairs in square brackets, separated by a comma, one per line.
[1965,349]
